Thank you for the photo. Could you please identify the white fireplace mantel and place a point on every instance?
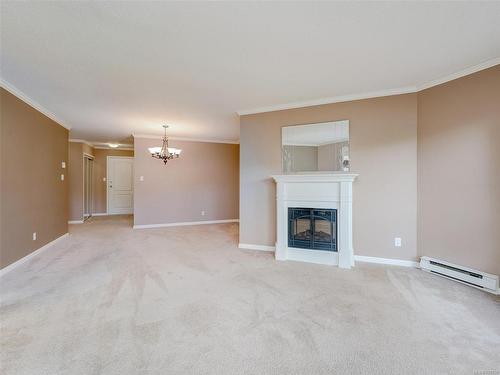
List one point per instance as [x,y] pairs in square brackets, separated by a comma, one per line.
[327,190]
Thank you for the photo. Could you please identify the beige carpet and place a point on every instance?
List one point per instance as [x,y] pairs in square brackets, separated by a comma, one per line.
[186,300]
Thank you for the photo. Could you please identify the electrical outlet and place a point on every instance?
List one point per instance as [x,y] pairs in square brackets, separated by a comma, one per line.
[62,177]
[34,236]
[63,164]
[397,241]
[202,213]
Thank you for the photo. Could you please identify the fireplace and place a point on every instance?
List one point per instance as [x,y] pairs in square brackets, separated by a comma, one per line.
[314,218]
[312,229]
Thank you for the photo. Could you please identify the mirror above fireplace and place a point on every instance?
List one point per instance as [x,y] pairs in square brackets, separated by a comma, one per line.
[315,147]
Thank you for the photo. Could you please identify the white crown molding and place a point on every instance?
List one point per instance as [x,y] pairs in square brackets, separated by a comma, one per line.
[150,136]
[330,100]
[462,73]
[106,144]
[308,103]
[376,94]
[232,142]
[102,145]
[74,140]
[25,98]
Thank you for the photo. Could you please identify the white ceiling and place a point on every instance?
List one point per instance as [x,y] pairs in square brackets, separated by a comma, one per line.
[109,69]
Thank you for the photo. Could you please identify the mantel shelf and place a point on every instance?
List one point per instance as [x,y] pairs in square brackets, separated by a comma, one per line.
[316,177]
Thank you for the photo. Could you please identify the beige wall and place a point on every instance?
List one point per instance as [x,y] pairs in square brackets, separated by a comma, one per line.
[33,197]
[383,150]
[205,177]
[459,171]
[100,165]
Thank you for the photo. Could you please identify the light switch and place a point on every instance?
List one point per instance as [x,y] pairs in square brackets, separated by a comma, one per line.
[104,179]
[34,236]
[141,178]
[62,177]
[63,164]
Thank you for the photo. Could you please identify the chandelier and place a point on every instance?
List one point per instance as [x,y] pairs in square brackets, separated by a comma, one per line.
[164,152]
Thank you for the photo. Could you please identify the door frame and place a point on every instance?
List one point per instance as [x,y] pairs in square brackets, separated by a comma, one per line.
[88,156]
[108,158]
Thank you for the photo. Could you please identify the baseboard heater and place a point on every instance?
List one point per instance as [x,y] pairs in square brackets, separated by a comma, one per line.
[465,275]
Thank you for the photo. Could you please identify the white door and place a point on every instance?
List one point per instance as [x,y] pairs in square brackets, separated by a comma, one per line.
[120,171]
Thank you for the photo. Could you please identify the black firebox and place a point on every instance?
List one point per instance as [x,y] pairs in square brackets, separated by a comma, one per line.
[312,228]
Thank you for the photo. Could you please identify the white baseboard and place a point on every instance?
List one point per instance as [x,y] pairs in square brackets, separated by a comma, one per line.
[393,262]
[146,226]
[249,246]
[96,214]
[112,214]
[38,251]
[359,258]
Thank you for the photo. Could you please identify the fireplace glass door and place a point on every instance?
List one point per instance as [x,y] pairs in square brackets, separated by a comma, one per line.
[314,229]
